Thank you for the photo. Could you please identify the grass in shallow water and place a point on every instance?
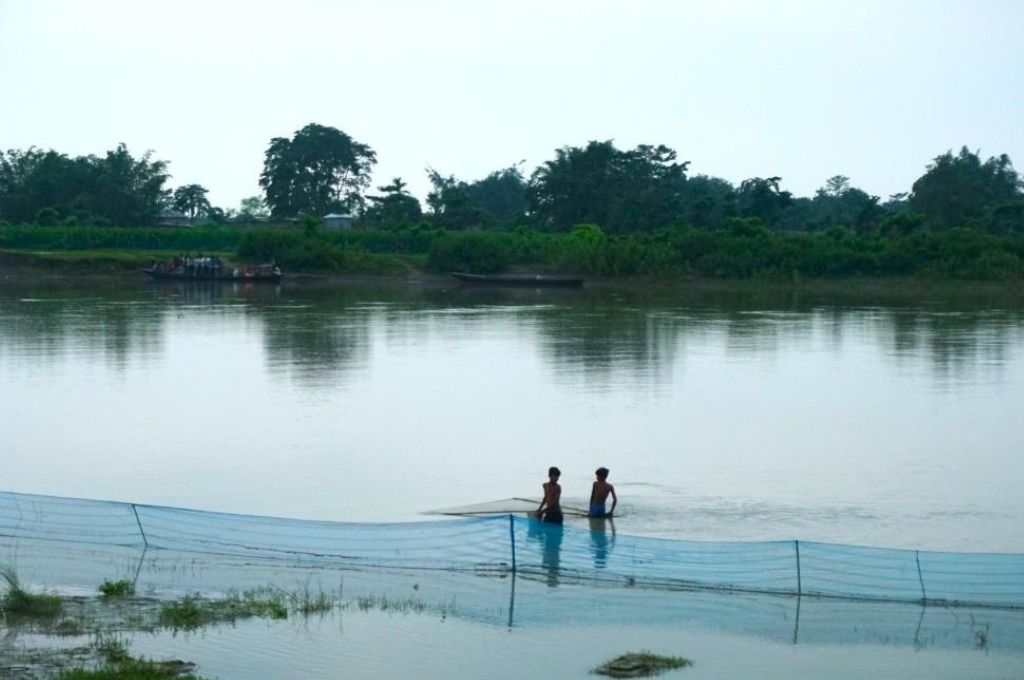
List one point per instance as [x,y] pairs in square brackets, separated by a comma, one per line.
[133,669]
[641,664]
[121,588]
[192,612]
[18,602]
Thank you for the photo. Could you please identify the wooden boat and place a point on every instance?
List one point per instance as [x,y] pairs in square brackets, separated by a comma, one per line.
[261,275]
[519,281]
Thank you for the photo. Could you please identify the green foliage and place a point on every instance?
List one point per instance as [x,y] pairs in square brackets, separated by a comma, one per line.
[838,203]
[741,248]
[1005,217]
[193,612]
[47,217]
[129,669]
[452,204]
[395,207]
[763,199]
[956,190]
[191,200]
[641,664]
[120,588]
[310,224]
[252,209]
[902,223]
[319,170]
[502,194]
[707,201]
[116,188]
[308,603]
[318,251]
[117,663]
[477,252]
[90,238]
[622,191]
[18,602]
[113,649]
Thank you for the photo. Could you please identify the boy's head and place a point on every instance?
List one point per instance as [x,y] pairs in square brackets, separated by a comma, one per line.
[554,472]
[602,473]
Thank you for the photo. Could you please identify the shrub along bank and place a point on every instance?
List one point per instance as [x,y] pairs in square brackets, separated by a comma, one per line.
[741,249]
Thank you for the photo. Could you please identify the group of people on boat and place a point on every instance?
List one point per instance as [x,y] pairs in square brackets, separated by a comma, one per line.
[550,509]
[189,265]
[210,266]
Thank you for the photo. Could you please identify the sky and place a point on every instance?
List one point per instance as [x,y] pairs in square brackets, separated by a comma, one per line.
[803,90]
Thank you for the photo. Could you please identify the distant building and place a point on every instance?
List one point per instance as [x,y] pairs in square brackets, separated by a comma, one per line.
[338,221]
[173,218]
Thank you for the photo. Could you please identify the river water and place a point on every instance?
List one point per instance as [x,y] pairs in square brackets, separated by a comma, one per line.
[877,418]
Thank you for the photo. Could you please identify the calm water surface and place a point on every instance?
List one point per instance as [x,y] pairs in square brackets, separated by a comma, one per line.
[722,415]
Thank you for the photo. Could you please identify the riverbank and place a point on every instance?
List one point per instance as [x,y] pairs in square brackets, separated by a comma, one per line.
[742,250]
[106,266]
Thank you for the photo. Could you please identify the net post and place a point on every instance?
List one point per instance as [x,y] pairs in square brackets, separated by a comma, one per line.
[512,539]
[145,541]
[799,584]
[138,567]
[920,577]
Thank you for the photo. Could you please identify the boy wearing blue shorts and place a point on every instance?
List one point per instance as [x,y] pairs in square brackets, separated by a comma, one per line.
[599,495]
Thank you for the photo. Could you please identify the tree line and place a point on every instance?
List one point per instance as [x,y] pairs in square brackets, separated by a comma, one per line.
[321,169]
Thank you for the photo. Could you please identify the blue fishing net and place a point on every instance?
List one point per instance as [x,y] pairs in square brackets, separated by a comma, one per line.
[545,553]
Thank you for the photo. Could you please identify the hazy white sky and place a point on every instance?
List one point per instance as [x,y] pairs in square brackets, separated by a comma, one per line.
[799,89]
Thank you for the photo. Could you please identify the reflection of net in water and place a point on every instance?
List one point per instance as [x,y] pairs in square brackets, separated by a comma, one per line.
[523,603]
[555,555]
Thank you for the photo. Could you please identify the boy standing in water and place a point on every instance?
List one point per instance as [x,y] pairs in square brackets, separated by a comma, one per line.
[550,509]
[599,495]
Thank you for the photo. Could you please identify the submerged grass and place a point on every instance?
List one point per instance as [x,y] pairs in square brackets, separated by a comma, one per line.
[400,606]
[308,603]
[18,602]
[642,664]
[384,604]
[122,588]
[192,612]
[132,669]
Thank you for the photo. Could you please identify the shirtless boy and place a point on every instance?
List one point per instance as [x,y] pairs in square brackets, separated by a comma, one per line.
[599,495]
[550,509]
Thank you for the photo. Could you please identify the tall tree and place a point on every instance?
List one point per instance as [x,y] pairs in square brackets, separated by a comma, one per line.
[956,190]
[117,188]
[838,203]
[395,206]
[763,198]
[502,194]
[130,191]
[623,191]
[191,200]
[252,208]
[319,170]
[452,206]
[708,201]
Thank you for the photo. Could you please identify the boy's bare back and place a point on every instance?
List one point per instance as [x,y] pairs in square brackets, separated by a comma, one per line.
[599,495]
[601,491]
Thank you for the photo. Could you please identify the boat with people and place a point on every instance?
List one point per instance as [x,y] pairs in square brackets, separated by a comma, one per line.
[212,268]
[519,280]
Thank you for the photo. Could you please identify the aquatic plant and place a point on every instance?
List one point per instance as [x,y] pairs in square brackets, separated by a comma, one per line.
[20,603]
[120,588]
[193,611]
[642,664]
[133,669]
[67,627]
[112,649]
[307,603]
[403,606]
